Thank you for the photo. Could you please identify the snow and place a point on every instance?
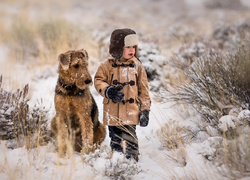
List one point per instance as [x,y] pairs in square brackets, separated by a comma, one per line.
[226,122]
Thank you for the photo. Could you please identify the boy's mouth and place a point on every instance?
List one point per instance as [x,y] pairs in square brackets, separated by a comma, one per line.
[131,54]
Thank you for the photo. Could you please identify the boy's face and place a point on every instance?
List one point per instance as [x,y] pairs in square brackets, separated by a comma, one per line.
[128,52]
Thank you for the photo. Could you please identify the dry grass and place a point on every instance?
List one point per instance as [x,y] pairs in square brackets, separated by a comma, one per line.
[42,41]
[21,125]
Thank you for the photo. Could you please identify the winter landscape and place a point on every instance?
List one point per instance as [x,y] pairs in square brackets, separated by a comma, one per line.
[197,57]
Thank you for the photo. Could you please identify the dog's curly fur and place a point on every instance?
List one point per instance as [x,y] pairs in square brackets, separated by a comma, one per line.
[76,123]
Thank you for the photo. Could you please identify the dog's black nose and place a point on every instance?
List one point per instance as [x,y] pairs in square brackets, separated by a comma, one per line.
[88,81]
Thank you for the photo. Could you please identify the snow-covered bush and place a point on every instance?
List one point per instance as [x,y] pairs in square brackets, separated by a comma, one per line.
[111,165]
[227,122]
[19,124]
[244,117]
[228,37]
[233,125]
[230,152]
[102,43]
[218,83]
[152,60]
[156,66]
[188,54]
[180,33]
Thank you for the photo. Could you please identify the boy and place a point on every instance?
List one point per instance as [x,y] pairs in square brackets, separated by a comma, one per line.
[122,81]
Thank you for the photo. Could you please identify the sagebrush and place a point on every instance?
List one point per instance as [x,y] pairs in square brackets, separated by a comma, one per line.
[19,123]
[217,83]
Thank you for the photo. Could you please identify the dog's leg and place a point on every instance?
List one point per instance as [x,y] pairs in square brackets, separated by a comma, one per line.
[86,132]
[99,134]
[62,136]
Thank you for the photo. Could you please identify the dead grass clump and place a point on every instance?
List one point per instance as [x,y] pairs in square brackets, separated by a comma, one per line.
[19,124]
[172,135]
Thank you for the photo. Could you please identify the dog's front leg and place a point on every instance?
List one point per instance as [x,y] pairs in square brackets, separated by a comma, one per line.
[87,133]
[62,136]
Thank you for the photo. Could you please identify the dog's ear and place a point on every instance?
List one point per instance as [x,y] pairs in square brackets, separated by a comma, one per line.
[84,53]
[64,61]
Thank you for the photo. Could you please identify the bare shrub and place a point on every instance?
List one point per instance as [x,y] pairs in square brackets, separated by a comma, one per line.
[218,83]
[19,124]
[116,165]
[188,54]
[180,33]
[228,37]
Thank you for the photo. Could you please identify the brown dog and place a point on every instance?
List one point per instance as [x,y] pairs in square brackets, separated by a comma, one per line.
[76,122]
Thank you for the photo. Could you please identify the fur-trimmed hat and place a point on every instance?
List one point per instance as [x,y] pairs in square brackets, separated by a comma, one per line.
[121,38]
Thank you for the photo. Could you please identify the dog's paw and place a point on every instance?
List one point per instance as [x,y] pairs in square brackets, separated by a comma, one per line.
[59,161]
[89,148]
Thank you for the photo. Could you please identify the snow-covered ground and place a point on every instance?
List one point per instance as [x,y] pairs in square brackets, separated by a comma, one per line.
[153,20]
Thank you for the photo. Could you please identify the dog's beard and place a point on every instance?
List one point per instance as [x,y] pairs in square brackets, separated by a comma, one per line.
[82,85]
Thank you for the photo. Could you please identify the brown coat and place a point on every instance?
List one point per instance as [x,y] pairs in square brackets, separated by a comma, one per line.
[123,113]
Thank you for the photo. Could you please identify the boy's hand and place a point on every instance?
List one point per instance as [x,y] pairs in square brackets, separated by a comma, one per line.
[112,92]
[144,118]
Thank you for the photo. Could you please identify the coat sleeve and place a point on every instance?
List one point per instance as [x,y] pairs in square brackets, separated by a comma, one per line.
[101,79]
[143,90]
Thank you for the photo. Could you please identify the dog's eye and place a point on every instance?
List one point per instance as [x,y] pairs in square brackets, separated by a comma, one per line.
[76,66]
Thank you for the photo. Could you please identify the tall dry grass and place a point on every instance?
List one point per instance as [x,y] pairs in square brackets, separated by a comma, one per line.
[42,41]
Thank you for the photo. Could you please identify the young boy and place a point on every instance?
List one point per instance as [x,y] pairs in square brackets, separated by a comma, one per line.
[122,81]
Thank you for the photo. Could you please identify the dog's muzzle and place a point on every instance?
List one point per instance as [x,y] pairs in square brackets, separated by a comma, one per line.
[87,81]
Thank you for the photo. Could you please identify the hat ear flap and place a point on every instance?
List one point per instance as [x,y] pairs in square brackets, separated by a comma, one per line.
[64,61]
[136,51]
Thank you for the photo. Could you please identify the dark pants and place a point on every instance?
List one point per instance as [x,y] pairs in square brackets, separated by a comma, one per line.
[126,133]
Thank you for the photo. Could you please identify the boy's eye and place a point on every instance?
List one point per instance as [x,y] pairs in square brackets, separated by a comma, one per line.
[76,66]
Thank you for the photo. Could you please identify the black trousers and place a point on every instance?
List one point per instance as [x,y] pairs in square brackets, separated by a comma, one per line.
[126,133]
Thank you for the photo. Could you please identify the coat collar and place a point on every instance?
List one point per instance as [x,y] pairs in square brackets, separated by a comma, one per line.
[130,62]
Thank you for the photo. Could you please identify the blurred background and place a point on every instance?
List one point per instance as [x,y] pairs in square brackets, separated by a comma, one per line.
[35,32]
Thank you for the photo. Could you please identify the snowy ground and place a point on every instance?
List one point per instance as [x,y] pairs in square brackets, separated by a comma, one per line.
[154,20]
[155,161]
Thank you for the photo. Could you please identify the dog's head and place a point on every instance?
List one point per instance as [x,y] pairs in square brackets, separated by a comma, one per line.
[73,68]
